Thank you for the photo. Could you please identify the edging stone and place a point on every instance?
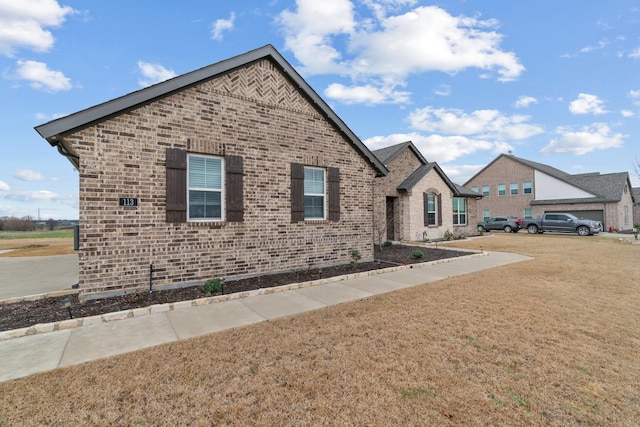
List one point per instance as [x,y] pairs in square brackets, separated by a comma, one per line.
[42,328]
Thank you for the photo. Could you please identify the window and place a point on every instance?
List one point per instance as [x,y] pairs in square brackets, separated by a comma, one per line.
[528,213]
[431,209]
[486,214]
[514,188]
[527,188]
[485,190]
[474,188]
[502,189]
[205,187]
[459,211]
[314,193]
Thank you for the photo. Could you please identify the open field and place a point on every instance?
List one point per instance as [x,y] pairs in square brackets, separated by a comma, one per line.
[552,341]
[36,243]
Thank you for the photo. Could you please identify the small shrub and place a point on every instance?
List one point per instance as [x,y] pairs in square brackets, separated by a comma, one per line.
[355,256]
[212,286]
[448,235]
[417,254]
[387,243]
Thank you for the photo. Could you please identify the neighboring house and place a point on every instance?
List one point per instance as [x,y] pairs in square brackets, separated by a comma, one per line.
[635,191]
[519,187]
[417,201]
[236,169]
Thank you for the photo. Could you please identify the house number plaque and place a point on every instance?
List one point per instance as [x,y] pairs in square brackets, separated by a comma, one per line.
[128,202]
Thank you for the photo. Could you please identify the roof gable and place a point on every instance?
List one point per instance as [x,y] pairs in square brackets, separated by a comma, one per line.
[55,130]
[387,154]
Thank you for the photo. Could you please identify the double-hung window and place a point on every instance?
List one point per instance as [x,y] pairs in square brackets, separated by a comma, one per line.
[205,187]
[459,211]
[502,189]
[314,193]
[526,187]
[485,190]
[514,188]
[431,209]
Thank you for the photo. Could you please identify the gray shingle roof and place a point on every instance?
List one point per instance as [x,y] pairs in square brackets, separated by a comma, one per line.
[55,130]
[387,154]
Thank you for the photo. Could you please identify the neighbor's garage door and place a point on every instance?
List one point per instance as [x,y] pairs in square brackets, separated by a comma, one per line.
[595,215]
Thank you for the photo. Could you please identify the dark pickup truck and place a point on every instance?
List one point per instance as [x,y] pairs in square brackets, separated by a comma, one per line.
[562,223]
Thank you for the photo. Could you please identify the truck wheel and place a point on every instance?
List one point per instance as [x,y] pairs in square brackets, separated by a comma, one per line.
[583,230]
[532,229]
[507,229]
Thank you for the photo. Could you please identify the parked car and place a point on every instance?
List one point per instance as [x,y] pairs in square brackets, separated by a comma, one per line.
[562,223]
[509,224]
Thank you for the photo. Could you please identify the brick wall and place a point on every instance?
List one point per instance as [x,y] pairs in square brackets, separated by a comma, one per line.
[253,112]
[504,171]
[399,169]
[409,208]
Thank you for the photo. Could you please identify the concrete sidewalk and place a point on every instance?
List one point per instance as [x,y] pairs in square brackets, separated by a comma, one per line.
[54,347]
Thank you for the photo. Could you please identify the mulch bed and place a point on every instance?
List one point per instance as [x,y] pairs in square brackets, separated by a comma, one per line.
[29,313]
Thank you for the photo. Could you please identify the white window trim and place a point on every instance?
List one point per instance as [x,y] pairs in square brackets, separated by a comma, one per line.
[221,191]
[324,195]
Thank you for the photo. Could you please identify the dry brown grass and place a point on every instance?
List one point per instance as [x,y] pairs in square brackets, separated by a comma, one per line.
[37,247]
[552,341]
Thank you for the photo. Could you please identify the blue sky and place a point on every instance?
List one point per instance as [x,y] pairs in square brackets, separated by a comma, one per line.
[557,82]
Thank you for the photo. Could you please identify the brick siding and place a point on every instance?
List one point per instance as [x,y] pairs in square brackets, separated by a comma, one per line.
[253,112]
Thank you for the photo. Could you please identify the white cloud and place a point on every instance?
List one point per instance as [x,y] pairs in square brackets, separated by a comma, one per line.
[443,90]
[635,53]
[43,195]
[485,124]
[23,24]
[222,25]
[436,148]
[4,186]
[587,104]
[627,113]
[601,45]
[460,173]
[41,77]
[153,73]
[430,39]
[308,33]
[390,48]
[525,101]
[596,137]
[28,175]
[367,94]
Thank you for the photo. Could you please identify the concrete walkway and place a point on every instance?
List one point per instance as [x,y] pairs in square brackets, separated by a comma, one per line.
[54,346]
[21,276]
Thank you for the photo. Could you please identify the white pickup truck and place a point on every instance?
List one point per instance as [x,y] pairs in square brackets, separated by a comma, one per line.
[562,223]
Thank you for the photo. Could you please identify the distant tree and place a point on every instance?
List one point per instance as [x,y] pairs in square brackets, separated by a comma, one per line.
[51,224]
[19,224]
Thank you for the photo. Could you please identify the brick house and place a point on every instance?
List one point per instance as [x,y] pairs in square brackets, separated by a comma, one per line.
[523,188]
[236,169]
[635,191]
[416,199]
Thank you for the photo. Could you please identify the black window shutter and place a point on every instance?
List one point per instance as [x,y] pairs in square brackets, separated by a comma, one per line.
[334,194]
[297,192]
[439,209]
[176,174]
[233,188]
[425,207]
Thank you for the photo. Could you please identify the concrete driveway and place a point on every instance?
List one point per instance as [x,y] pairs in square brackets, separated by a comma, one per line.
[21,276]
